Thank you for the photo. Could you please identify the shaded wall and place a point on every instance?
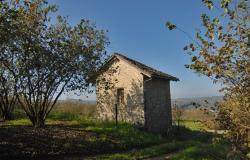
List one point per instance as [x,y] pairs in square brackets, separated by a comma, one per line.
[158,118]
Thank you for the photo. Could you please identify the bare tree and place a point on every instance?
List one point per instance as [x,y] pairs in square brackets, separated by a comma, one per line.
[177,113]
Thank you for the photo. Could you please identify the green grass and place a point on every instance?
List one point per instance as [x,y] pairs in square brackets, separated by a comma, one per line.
[22,121]
[19,113]
[63,116]
[125,134]
[193,125]
[54,116]
[152,151]
[67,134]
[184,143]
[203,151]
[91,136]
[184,150]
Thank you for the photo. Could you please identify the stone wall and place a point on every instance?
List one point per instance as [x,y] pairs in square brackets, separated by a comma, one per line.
[129,78]
[157,105]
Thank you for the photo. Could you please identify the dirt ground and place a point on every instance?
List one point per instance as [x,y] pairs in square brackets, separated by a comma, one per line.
[54,140]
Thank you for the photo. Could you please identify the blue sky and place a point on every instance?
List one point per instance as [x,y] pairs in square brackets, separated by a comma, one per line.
[136,28]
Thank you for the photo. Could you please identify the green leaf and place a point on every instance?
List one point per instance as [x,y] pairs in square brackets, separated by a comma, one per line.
[194,58]
[170,25]
[208,3]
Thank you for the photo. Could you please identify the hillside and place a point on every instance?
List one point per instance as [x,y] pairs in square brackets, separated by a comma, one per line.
[187,103]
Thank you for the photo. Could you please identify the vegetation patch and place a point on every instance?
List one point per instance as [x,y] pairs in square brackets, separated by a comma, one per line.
[73,136]
[79,136]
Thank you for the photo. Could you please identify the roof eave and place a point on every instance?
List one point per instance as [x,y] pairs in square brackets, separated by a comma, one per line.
[167,78]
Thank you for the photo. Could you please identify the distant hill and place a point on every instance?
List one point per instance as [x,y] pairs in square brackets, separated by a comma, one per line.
[187,103]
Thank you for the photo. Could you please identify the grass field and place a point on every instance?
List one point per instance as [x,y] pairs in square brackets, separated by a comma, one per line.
[75,136]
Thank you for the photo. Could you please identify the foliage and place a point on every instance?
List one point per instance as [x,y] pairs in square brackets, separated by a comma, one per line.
[231,119]
[7,92]
[47,59]
[221,52]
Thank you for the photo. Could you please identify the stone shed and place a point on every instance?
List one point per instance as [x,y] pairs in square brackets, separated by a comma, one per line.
[134,92]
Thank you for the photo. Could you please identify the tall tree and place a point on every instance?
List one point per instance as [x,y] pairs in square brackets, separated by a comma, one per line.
[48,59]
[7,95]
[221,51]
[7,91]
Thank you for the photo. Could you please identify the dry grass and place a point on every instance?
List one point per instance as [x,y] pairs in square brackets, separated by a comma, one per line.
[77,108]
[65,108]
[198,115]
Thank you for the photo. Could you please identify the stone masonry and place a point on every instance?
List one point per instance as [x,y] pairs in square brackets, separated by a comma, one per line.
[142,94]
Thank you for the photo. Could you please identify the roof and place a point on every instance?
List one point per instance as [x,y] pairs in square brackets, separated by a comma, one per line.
[149,71]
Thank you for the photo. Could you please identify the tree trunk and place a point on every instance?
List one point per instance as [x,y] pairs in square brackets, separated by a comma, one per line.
[7,115]
[37,121]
